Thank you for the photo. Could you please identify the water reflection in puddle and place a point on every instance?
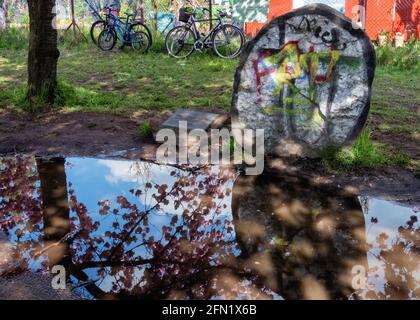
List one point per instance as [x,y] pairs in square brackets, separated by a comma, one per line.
[126,229]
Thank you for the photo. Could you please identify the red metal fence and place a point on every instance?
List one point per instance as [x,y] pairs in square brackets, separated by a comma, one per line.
[379,16]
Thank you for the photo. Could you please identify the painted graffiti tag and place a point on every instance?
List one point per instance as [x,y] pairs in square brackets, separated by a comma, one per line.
[289,64]
[329,38]
[306,78]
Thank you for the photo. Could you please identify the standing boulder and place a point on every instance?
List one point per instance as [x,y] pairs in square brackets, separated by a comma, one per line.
[306,80]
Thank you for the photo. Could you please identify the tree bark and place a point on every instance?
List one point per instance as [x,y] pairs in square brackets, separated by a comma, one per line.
[43,52]
[155,14]
[211,13]
[3,14]
[140,9]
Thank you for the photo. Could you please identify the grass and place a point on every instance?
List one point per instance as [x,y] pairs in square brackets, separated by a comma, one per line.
[363,154]
[145,129]
[124,82]
[14,39]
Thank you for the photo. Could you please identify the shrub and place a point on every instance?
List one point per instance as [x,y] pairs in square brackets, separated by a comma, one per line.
[403,58]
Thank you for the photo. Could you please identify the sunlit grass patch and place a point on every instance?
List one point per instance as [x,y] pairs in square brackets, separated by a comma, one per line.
[364,153]
[69,96]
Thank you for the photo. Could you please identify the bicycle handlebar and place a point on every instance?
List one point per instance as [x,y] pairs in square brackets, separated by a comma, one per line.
[109,6]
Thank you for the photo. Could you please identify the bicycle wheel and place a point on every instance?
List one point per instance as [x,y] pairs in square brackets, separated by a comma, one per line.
[140,42]
[228,41]
[96,29]
[179,42]
[141,27]
[107,40]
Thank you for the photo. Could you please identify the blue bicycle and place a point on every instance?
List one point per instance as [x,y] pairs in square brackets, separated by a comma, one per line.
[130,33]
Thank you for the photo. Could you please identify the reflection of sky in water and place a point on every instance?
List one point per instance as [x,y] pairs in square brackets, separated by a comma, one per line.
[96,180]
[390,216]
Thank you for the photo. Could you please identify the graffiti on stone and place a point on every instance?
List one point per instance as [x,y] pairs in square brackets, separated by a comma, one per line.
[306,79]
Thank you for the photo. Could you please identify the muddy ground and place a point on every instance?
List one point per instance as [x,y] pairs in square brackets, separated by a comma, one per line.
[81,134]
[108,135]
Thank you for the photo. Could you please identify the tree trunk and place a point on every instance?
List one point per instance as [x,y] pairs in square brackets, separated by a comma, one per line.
[211,13]
[43,52]
[140,9]
[3,14]
[56,211]
[155,14]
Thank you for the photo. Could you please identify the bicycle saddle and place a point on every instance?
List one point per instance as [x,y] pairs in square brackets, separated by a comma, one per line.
[222,14]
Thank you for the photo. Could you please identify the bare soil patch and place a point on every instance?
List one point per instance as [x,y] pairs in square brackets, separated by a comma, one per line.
[82,134]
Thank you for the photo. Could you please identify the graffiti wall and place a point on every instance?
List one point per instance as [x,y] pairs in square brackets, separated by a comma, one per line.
[251,10]
[338,5]
[306,79]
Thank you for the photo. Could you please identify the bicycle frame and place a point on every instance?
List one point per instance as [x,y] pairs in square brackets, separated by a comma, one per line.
[122,31]
[197,36]
[167,26]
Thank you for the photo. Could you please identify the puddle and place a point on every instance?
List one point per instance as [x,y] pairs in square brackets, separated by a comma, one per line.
[133,229]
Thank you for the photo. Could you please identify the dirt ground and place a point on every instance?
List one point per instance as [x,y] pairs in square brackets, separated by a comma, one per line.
[76,134]
[400,141]
[109,135]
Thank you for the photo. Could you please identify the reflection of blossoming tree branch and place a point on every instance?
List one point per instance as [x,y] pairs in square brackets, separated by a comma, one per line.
[401,261]
[18,192]
[133,257]
[186,245]
[20,204]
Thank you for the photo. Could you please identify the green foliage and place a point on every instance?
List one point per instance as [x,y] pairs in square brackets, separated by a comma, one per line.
[69,39]
[363,154]
[66,96]
[18,38]
[15,97]
[145,129]
[14,38]
[403,58]
[158,42]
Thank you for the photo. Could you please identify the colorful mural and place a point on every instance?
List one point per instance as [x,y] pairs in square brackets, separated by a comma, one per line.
[251,10]
[338,5]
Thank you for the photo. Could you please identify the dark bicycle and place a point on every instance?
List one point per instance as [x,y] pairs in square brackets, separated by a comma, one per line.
[131,33]
[226,40]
